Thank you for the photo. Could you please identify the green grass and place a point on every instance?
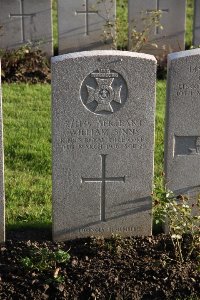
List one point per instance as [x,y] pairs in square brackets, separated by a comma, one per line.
[189,23]
[159,132]
[27,147]
[122,25]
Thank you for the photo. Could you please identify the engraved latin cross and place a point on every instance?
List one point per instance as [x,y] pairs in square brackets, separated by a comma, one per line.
[103,181]
[86,12]
[158,9]
[22,15]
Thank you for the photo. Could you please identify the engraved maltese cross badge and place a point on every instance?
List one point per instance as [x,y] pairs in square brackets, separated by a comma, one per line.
[104,91]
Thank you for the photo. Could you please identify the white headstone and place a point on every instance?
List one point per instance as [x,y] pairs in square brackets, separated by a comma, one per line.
[196,24]
[26,21]
[81,24]
[2,197]
[103,143]
[182,140]
[171,38]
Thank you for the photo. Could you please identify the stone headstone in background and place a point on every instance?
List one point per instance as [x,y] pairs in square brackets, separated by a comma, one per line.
[2,197]
[26,21]
[172,37]
[182,140]
[196,23]
[81,24]
[103,143]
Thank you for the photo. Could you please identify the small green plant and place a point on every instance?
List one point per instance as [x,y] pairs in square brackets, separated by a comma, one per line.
[45,260]
[183,225]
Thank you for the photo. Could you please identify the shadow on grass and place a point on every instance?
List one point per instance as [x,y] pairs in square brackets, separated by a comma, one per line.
[34,232]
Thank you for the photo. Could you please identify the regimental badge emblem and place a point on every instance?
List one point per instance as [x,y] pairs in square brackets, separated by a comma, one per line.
[104,91]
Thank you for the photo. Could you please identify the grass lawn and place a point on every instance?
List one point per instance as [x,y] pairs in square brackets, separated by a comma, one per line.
[27,147]
[27,143]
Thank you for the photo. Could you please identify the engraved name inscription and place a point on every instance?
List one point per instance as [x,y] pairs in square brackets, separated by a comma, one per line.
[103,135]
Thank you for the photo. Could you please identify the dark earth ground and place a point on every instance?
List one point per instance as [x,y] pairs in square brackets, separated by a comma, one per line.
[116,268]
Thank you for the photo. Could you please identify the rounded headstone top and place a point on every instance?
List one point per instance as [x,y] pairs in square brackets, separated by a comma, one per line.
[182,54]
[102,53]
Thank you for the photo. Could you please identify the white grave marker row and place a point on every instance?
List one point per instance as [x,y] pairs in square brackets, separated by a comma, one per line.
[82,24]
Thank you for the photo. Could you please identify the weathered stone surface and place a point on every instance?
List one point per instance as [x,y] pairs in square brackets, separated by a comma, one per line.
[171,38]
[81,24]
[26,21]
[196,24]
[2,197]
[103,138]
[182,140]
